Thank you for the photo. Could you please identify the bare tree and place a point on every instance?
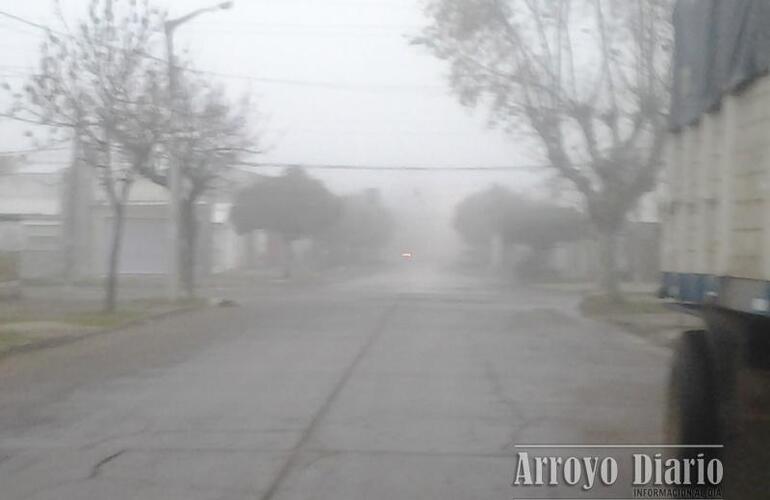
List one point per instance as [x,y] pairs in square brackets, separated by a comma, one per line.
[92,85]
[207,135]
[588,80]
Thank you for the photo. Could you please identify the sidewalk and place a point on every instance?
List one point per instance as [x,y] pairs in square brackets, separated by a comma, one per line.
[642,314]
[35,322]
[592,288]
[50,314]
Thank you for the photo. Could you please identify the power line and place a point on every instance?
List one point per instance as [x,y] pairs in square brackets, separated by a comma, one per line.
[318,34]
[26,21]
[375,87]
[263,80]
[387,168]
[324,26]
[329,85]
[22,152]
[367,168]
[17,29]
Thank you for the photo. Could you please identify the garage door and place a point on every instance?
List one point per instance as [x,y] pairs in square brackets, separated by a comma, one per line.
[145,244]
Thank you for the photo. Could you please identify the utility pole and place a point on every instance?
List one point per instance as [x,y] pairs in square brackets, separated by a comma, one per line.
[175,168]
[71,223]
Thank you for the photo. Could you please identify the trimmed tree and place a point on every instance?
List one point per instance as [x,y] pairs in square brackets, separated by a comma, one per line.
[292,206]
[517,220]
[363,230]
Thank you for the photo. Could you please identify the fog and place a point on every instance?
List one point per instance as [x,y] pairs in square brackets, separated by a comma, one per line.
[374,249]
[333,83]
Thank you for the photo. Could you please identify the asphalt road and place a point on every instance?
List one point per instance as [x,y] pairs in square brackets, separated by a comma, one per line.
[411,385]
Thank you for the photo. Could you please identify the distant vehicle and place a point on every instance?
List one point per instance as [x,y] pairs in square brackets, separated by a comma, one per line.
[716,235]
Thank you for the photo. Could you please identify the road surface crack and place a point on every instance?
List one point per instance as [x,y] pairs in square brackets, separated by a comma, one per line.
[291,462]
[97,468]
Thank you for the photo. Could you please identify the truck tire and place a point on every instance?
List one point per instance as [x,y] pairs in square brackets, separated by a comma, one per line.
[693,412]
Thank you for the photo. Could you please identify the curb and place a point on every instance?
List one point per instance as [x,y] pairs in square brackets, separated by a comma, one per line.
[659,336]
[652,337]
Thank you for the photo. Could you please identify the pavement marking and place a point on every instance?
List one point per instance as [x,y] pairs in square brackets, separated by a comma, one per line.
[284,471]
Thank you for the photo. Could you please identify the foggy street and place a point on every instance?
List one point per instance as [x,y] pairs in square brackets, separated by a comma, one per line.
[415,384]
[384,250]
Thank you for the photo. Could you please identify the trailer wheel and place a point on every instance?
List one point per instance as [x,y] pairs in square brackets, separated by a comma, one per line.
[692,413]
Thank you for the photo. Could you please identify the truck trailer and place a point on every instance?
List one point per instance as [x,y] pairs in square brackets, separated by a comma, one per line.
[716,235]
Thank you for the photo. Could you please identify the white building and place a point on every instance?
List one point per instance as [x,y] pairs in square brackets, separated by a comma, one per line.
[67,224]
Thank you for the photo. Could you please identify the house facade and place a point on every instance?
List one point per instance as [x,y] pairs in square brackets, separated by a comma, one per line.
[66,224]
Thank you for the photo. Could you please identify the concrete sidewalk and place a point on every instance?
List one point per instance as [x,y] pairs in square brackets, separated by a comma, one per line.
[644,315]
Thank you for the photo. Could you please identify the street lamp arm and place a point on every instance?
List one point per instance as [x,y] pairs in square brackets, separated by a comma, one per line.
[174,173]
[172,24]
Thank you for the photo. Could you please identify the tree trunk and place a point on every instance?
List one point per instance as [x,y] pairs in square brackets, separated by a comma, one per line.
[189,236]
[70,215]
[608,262]
[249,258]
[111,283]
[286,257]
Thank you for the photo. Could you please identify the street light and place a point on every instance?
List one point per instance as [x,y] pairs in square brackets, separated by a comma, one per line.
[175,173]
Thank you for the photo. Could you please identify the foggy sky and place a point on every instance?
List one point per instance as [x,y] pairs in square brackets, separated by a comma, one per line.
[350,90]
